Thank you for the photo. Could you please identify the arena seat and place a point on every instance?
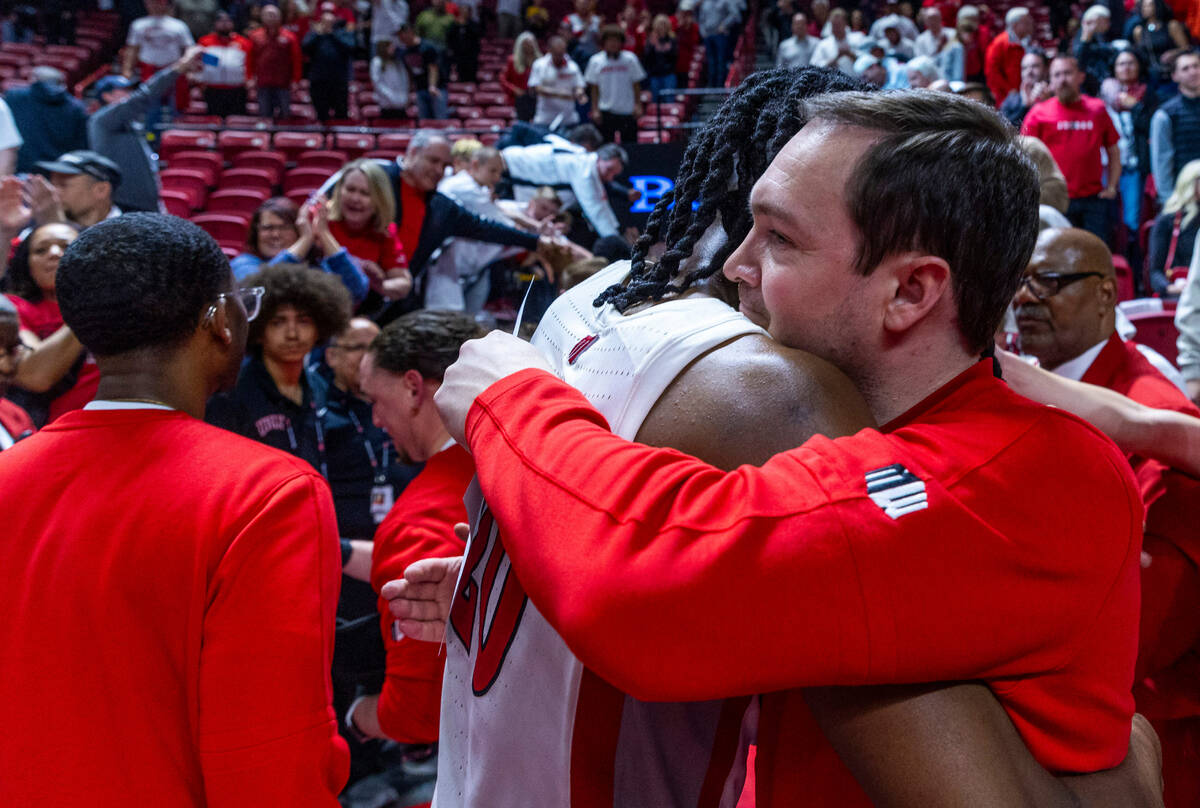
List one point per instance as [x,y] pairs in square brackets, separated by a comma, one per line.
[500,111]
[176,201]
[305,177]
[383,154]
[246,122]
[1157,330]
[487,123]
[233,143]
[206,161]
[327,161]
[467,113]
[300,195]
[398,141]
[292,143]
[271,161]
[354,145]
[1125,288]
[236,201]
[177,140]
[226,229]
[192,182]
[260,178]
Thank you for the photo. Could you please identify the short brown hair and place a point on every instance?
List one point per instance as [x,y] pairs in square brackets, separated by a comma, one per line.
[426,341]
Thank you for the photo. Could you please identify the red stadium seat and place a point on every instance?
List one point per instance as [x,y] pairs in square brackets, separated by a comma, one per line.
[383,154]
[489,138]
[369,111]
[300,195]
[327,161]
[454,99]
[487,123]
[437,123]
[206,161]
[304,177]
[488,99]
[233,143]
[354,145]
[270,161]
[194,183]
[500,111]
[1157,330]
[177,202]
[292,143]
[466,113]
[202,120]
[463,87]
[398,141]
[224,228]
[236,201]
[1125,290]
[177,140]
[246,122]
[491,87]
[249,178]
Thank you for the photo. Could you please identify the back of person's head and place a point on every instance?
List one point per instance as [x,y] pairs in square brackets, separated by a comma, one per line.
[1183,198]
[317,294]
[426,341]
[462,150]
[379,187]
[587,136]
[50,76]
[1097,12]
[612,31]
[719,168]
[946,178]
[423,139]
[139,281]
[611,248]
[610,151]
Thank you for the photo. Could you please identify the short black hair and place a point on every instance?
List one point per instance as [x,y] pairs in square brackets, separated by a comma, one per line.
[140,280]
[426,341]
[320,295]
[20,279]
[611,248]
[586,135]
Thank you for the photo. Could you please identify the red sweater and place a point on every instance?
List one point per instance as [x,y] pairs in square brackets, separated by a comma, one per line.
[916,554]
[169,591]
[1003,66]
[275,61]
[420,525]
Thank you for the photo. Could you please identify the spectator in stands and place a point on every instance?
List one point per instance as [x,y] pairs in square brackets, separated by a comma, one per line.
[401,372]
[515,78]
[33,276]
[687,35]
[329,48]
[360,218]
[225,68]
[1091,47]
[463,42]
[273,401]
[10,140]
[1033,90]
[660,56]
[1132,106]
[427,72]
[777,24]
[559,85]
[935,38]
[84,182]
[839,49]
[587,174]
[895,44]
[922,72]
[389,78]
[796,50]
[1003,64]
[15,423]
[275,64]
[581,30]
[155,42]
[49,119]
[819,18]
[231,529]
[1175,127]
[386,18]
[970,40]
[871,69]
[1173,236]
[1052,185]
[460,155]
[433,24]
[716,19]
[198,15]
[615,78]
[508,18]
[1155,32]
[891,17]
[1076,127]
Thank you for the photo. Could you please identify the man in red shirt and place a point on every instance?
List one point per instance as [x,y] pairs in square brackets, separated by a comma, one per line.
[399,374]
[275,64]
[1002,66]
[225,67]
[1066,312]
[159,652]
[1076,127]
[837,547]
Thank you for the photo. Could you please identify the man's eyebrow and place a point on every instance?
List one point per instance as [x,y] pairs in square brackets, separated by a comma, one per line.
[778,212]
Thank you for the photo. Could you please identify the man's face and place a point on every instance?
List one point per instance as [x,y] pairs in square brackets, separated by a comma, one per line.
[271,17]
[1033,69]
[795,269]
[1064,325]
[289,335]
[1187,73]
[933,21]
[393,407]
[612,46]
[609,169]
[799,26]
[837,25]
[223,25]
[425,167]
[539,208]
[1126,68]
[345,353]
[558,51]
[876,74]
[487,172]
[1065,79]
[1102,24]
[1023,27]
[80,194]
[157,8]
[892,35]
[10,347]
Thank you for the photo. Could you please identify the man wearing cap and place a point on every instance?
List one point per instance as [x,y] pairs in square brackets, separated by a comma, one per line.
[116,130]
[224,74]
[85,182]
[51,121]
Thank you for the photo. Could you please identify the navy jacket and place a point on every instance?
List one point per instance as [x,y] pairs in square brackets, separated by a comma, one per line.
[52,122]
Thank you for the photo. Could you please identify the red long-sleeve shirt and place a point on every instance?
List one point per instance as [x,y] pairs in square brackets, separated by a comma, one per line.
[420,525]
[981,537]
[169,591]
[1002,66]
[274,60]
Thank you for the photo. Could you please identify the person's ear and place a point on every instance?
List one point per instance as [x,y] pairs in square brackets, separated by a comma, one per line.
[919,283]
[1106,293]
[414,386]
[217,320]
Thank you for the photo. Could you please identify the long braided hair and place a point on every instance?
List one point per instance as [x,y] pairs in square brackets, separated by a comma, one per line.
[749,129]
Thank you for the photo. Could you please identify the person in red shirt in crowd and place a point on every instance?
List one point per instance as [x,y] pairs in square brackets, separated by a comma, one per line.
[687,38]
[1076,127]
[1003,65]
[909,332]
[360,218]
[161,653]
[515,78]
[15,423]
[225,67]
[33,273]
[1066,312]
[275,64]
[947,8]
[399,375]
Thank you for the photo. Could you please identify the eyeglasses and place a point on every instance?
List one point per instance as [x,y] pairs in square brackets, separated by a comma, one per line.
[250,299]
[1048,284]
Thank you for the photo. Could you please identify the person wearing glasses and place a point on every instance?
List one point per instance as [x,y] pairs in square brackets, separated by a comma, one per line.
[172,585]
[1066,313]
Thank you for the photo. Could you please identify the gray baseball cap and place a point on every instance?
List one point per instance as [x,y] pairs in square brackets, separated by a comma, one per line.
[84,161]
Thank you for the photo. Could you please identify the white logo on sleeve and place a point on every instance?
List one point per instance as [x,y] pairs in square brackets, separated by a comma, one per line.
[896,490]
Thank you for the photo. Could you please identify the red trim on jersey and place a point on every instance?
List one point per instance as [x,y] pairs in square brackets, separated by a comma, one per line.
[594,742]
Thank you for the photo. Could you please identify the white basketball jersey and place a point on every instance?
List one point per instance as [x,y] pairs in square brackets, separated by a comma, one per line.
[523,723]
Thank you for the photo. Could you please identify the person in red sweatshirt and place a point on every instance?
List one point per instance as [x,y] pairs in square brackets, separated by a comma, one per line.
[225,68]
[275,63]
[149,559]
[1002,66]
[833,564]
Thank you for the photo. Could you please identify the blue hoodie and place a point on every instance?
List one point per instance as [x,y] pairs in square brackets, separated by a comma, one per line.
[50,120]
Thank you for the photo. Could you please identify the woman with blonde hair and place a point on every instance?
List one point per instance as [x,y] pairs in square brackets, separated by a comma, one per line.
[1174,233]
[515,78]
[659,56]
[359,216]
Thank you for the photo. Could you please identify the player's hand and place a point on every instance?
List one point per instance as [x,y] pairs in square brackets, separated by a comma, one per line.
[481,363]
[420,601]
[1108,193]
[44,200]
[14,212]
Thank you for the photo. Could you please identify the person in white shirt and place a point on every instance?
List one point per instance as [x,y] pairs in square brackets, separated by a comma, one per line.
[559,84]
[10,140]
[154,42]
[508,18]
[386,18]
[908,28]
[569,170]
[796,50]
[840,48]
[936,37]
[390,80]
[615,77]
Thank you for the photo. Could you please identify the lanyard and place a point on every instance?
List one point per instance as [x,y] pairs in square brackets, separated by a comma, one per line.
[1174,242]
[320,430]
[379,473]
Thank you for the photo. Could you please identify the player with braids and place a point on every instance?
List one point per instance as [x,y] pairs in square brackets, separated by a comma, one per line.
[717,172]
